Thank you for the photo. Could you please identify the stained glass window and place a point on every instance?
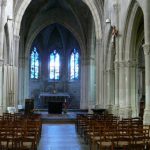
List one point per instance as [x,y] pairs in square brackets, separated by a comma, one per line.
[34,64]
[74,65]
[54,65]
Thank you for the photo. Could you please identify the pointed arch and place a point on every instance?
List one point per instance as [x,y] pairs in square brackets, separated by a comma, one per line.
[133,18]
[91,5]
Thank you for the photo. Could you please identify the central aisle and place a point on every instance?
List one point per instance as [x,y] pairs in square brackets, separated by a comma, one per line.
[60,137]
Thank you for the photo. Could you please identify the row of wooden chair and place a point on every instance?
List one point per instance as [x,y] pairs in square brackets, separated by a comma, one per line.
[109,132]
[19,134]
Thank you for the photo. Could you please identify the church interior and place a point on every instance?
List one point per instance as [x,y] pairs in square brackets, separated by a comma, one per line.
[89,59]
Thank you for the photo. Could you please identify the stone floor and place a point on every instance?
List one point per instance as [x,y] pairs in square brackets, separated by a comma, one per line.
[61,137]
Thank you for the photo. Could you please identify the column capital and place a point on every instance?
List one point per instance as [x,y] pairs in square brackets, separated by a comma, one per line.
[110,70]
[146,48]
[121,64]
[130,63]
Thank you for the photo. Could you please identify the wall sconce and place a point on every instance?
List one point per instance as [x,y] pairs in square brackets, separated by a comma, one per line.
[108,20]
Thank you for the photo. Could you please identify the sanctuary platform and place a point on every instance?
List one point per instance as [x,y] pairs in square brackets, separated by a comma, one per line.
[69,117]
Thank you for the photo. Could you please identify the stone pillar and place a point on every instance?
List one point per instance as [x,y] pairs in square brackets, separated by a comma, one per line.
[91,83]
[83,101]
[146,10]
[99,75]
[1,87]
[21,81]
[116,105]
[110,90]
[15,86]
[128,110]
[122,100]
[2,17]
[116,49]
[147,84]
[146,46]
[5,87]
[15,69]
[16,39]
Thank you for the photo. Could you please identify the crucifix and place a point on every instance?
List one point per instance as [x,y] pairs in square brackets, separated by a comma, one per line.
[114,35]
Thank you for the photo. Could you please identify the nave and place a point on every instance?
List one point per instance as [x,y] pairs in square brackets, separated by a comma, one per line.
[60,137]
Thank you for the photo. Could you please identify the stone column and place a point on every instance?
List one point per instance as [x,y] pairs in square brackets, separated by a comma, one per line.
[5,87]
[99,75]
[128,110]
[122,101]
[91,83]
[146,10]
[15,68]
[116,49]
[116,105]
[1,87]
[110,90]
[147,84]
[16,39]
[15,86]
[84,85]
[2,17]
[146,46]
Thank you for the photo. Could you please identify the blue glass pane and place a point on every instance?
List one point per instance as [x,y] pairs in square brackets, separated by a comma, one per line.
[54,65]
[34,71]
[74,65]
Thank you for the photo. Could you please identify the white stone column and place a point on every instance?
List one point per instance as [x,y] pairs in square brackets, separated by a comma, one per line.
[16,39]
[146,46]
[84,85]
[2,17]
[146,10]
[1,87]
[116,62]
[91,83]
[122,100]
[15,69]
[90,56]
[21,81]
[116,105]
[99,75]
[147,84]
[110,90]
[128,65]
[15,86]
[5,88]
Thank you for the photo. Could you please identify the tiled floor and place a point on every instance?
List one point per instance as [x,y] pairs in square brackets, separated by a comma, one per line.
[61,137]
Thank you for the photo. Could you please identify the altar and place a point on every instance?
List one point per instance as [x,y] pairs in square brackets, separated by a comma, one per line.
[53,102]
